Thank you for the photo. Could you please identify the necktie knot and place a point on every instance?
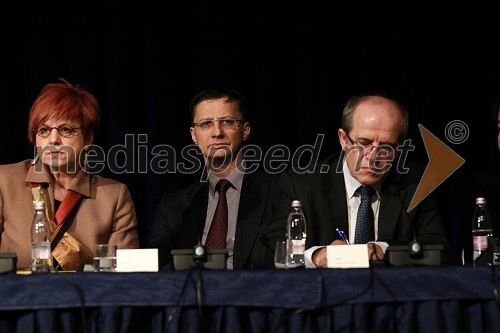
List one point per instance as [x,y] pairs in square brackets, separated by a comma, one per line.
[222,186]
[366,192]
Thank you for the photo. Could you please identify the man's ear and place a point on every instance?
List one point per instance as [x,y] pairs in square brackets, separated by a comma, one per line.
[246,131]
[193,135]
[342,138]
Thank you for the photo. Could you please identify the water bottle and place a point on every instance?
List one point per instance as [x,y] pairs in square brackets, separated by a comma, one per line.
[296,236]
[41,254]
[481,233]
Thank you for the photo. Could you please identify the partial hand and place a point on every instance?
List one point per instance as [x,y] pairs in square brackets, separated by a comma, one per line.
[375,252]
[319,256]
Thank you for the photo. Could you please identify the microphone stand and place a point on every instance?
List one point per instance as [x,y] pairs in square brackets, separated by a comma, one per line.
[414,247]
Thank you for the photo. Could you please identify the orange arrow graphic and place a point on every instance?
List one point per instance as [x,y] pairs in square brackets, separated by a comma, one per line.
[442,163]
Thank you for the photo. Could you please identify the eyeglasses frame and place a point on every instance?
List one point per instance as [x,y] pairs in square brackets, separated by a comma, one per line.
[58,129]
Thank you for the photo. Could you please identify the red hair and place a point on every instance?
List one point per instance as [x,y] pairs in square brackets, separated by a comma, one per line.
[64,101]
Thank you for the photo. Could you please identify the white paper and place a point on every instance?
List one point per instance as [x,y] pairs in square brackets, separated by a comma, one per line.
[347,256]
[137,260]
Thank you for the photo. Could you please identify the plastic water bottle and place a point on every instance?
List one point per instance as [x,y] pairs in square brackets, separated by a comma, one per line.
[296,236]
[41,254]
[481,233]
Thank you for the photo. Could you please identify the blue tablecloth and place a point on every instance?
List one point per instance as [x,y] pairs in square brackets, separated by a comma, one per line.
[382,299]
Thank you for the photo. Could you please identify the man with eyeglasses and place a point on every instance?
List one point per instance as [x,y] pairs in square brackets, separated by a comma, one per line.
[361,194]
[229,209]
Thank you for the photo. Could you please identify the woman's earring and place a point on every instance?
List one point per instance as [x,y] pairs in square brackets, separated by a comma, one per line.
[83,159]
[35,160]
[85,162]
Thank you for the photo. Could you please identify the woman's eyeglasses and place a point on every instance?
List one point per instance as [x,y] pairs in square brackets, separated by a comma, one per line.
[65,130]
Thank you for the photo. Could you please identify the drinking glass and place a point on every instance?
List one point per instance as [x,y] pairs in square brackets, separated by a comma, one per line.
[495,250]
[280,254]
[104,258]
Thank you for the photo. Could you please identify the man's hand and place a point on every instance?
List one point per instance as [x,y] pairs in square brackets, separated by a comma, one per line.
[375,252]
[319,256]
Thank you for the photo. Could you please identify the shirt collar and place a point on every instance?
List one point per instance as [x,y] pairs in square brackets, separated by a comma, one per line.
[39,173]
[352,184]
[235,177]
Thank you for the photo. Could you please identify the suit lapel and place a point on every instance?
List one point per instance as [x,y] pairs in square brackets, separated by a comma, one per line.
[335,203]
[200,207]
[390,210]
[250,213]
[194,215]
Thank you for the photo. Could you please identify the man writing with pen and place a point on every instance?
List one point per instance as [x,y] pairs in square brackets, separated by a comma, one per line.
[362,193]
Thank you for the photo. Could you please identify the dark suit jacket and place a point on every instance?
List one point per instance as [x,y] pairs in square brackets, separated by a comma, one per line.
[324,202]
[180,218]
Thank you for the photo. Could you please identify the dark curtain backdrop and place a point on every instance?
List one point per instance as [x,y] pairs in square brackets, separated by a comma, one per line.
[297,63]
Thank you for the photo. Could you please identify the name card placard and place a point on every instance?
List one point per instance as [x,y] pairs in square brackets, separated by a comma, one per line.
[137,260]
[347,256]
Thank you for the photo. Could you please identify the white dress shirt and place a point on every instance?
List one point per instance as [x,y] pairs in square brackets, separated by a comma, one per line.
[353,201]
[233,203]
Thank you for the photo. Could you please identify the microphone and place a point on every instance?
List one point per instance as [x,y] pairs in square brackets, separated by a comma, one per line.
[199,254]
[199,251]
[415,249]
[414,246]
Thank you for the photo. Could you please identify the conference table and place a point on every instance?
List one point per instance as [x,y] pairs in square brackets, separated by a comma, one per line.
[380,299]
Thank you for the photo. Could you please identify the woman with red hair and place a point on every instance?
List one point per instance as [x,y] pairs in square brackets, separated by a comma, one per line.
[83,209]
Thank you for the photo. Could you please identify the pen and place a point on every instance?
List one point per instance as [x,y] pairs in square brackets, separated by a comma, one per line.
[342,235]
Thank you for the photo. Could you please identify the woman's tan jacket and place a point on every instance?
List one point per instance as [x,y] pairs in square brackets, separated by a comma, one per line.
[106,215]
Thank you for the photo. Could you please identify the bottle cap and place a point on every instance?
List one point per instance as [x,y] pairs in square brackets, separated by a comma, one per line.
[296,203]
[39,205]
[480,201]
